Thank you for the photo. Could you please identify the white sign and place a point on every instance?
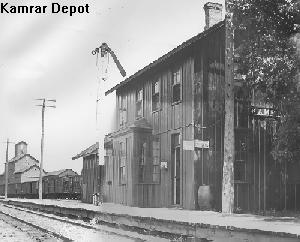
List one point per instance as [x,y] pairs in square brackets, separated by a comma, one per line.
[188,144]
[201,144]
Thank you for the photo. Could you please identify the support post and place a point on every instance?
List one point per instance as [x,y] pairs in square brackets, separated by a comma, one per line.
[229,152]
[42,153]
[6,170]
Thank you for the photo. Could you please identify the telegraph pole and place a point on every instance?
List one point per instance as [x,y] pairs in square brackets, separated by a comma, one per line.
[229,152]
[43,105]
[6,168]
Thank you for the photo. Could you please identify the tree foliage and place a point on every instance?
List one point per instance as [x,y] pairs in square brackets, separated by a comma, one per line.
[266,41]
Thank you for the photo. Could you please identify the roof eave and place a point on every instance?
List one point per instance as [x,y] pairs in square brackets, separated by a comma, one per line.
[167,56]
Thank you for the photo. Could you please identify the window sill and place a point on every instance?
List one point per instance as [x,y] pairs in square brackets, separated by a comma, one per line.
[241,182]
[139,117]
[148,183]
[176,103]
[156,110]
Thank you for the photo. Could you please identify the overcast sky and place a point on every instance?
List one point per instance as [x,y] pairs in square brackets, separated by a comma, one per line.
[50,56]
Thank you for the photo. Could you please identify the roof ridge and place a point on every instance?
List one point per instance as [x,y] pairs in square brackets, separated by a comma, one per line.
[167,55]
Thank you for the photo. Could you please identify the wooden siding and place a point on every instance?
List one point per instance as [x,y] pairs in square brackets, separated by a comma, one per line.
[260,182]
[209,116]
[115,190]
[169,119]
[91,178]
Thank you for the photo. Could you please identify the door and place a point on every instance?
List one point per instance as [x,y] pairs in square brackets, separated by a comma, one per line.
[176,161]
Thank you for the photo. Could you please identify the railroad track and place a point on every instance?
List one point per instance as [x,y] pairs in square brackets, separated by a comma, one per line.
[35,232]
[65,229]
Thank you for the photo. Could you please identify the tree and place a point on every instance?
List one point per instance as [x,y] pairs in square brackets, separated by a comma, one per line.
[267,39]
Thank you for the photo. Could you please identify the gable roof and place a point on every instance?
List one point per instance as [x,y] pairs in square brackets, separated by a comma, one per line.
[89,151]
[55,173]
[58,172]
[24,169]
[16,158]
[168,56]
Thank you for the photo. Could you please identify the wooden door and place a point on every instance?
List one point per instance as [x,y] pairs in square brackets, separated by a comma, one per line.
[176,166]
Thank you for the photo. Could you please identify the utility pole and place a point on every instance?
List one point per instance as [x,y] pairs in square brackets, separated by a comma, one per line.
[229,152]
[6,168]
[43,105]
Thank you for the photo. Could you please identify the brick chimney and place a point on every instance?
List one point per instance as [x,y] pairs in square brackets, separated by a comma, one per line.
[213,14]
[20,148]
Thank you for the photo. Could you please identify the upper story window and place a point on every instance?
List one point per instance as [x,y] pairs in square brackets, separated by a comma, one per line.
[139,102]
[176,85]
[155,95]
[123,110]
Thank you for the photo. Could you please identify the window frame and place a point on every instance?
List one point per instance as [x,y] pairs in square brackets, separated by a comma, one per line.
[156,163]
[156,95]
[142,162]
[178,72]
[139,102]
[122,110]
[122,162]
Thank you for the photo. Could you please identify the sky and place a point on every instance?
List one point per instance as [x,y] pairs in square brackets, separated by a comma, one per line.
[49,56]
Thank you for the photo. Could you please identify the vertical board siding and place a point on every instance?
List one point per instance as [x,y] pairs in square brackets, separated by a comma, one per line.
[209,116]
[199,115]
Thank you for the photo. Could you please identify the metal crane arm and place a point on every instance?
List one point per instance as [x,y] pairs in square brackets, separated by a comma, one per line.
[105,49]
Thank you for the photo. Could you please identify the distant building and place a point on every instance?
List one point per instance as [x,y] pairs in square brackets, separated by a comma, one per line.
[63,183]
[22,168]
[92,173]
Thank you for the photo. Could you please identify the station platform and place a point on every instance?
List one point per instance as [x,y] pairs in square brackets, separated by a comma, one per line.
[207,225]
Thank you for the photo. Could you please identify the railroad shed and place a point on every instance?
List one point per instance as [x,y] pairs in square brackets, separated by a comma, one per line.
[168,147]
[92,173]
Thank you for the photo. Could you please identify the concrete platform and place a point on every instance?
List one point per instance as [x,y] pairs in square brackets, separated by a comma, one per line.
[180,223]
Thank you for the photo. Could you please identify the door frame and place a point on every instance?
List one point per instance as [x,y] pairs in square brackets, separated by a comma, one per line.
[175,181]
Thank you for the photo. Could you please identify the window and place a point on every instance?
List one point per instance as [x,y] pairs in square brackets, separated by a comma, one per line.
[122,163]
[240,165]
[123,110]
[149,161]
[139,103]
[176,85]
[142,162]
[156,161]
[155,95]
[240,170]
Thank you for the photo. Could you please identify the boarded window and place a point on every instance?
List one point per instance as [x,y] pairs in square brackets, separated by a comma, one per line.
[139,103]
[155,95]
[123,110]
[176,85]
[122,163]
